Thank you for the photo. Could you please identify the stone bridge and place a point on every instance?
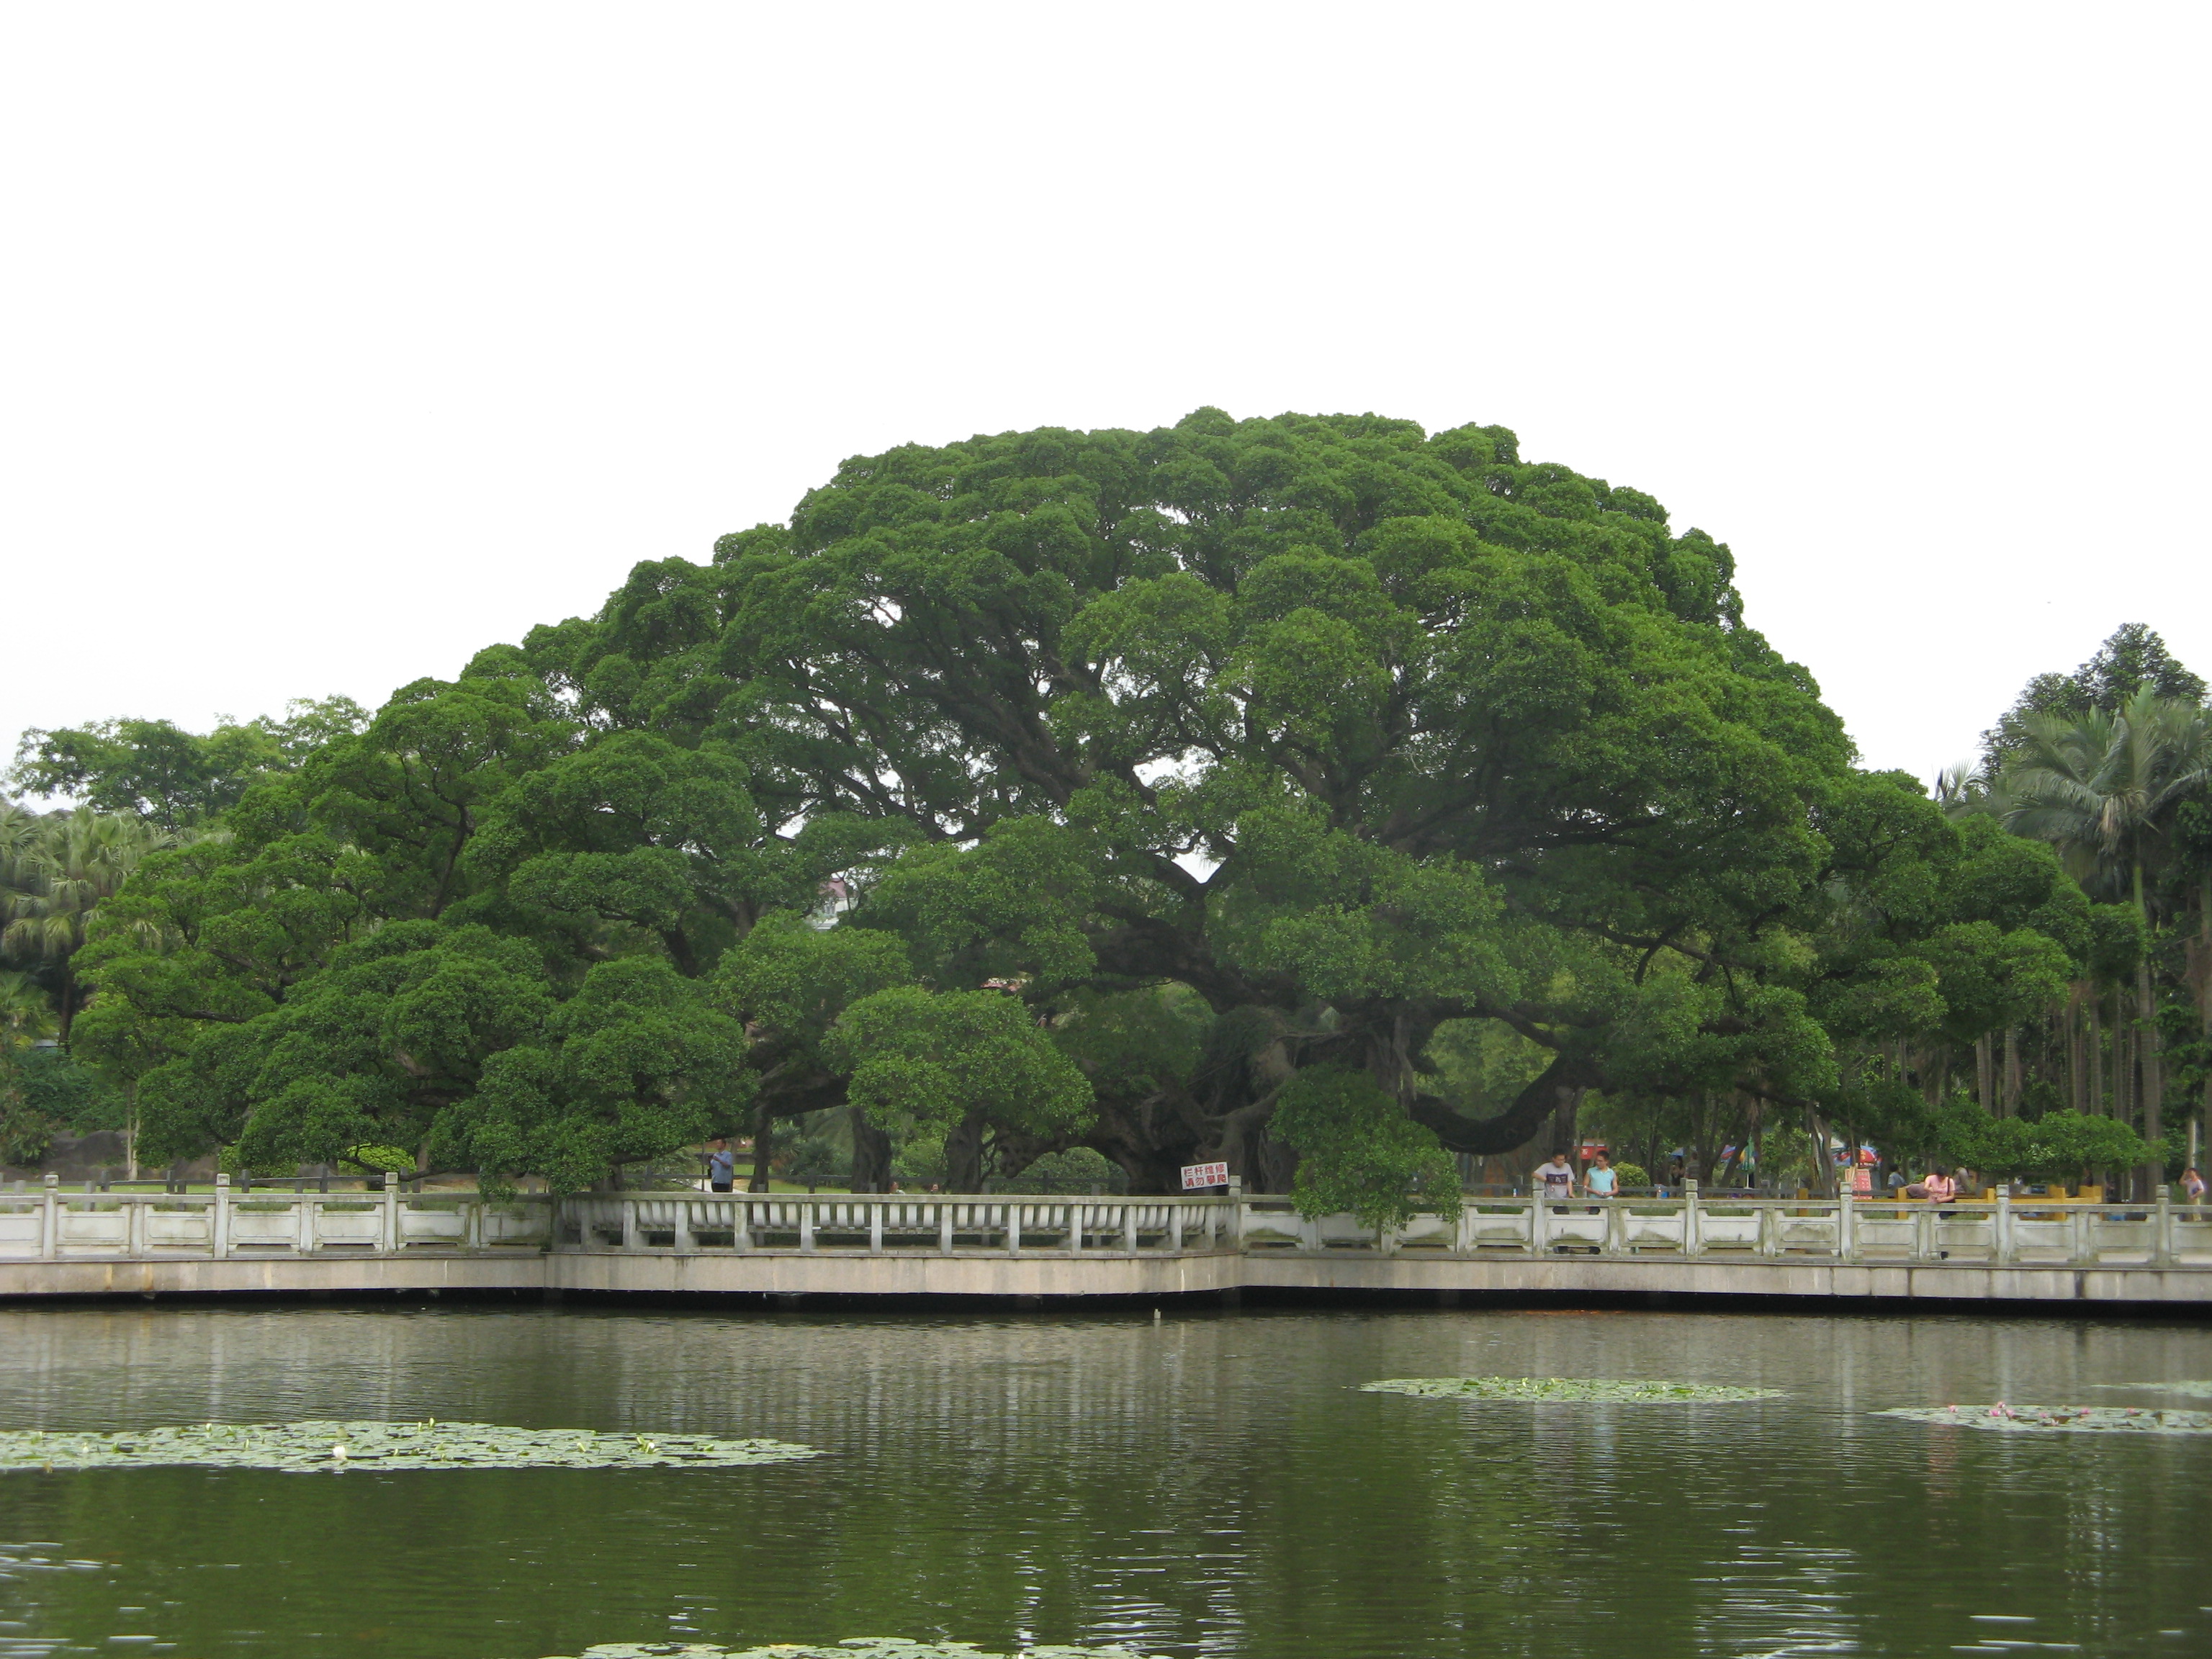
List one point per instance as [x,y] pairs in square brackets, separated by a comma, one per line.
[54,1243]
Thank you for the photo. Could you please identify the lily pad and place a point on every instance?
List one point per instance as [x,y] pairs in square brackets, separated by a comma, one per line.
[889,1647]
[2058,1419]
[337,1446]
[1566,1390]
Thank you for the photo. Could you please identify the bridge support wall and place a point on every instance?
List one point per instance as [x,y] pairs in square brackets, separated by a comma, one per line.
[615,1273]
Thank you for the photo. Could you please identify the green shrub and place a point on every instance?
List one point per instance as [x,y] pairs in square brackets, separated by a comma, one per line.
[1360,1152]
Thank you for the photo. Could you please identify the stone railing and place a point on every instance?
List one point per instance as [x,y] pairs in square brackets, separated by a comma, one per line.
[51,1224]
[875,1223]
[2002,1232]
[56,1225]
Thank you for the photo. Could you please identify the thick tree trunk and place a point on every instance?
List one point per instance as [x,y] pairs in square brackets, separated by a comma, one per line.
[2011,1095]
[963,1155]
[1272,1165]
[2200,981]
[1544,1096]
[872,1155]
[2153,1087]
[1563,1122]
[2123,1094]
[1981,1090]
[2092,1055]
[763,1149]
[1157,1170]
[1824,1162]
[2074,1094]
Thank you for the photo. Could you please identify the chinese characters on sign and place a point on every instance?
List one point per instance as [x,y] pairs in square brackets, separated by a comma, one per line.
[1197,1177]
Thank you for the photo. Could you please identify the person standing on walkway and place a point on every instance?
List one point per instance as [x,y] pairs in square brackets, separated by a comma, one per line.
[1600,1180]
[1558,1176]
[721,1165]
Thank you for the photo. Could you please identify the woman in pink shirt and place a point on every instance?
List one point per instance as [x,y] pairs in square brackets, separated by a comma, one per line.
[1941,1189]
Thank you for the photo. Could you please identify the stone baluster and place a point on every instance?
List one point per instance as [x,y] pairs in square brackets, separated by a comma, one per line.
[2006,1251]
[303,1219]
[1129,1225]
[1175,1226]
[49,1220]
[1013,1226]
[2162,1246]
[1693,1229]
[1539,1220]
[806,1224]
[219,1226]
[944,1227]
[1847,1233]
[1075,1218]
[875,1226]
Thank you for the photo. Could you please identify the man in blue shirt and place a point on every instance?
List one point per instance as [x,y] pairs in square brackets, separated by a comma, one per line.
[721,1165]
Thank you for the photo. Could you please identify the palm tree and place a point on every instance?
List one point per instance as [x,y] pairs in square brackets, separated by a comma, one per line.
[2103,789]
[19,832]
[25,1015]
[56,878]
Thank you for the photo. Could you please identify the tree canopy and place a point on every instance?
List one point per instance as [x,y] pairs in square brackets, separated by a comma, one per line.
[1316,793]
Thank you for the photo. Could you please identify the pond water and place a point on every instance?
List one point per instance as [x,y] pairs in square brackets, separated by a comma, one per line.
[1213,1484]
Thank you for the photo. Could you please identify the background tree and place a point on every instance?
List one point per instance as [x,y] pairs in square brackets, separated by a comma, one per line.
[156,770]
[2105,789]
[57,875]
[2134,658]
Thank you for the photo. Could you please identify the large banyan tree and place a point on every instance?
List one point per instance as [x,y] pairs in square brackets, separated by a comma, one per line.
[1312,793]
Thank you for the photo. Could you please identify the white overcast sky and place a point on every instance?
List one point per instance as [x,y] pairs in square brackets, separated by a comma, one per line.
[338,341]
